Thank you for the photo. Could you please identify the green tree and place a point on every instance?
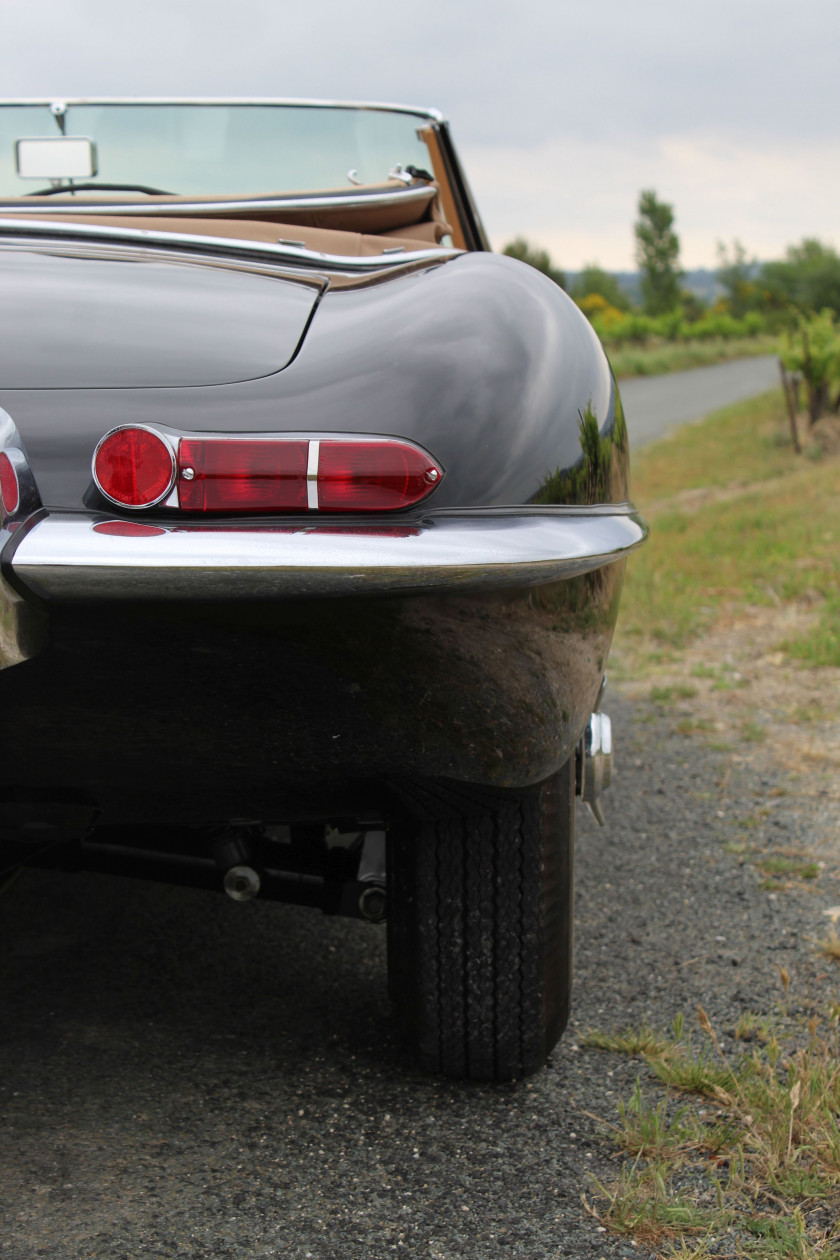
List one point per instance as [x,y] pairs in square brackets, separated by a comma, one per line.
[657,254]
[736,275]
[808,277]
[535,257]
[593,279]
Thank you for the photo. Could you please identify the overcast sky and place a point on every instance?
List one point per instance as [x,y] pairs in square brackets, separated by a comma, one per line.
[562,112]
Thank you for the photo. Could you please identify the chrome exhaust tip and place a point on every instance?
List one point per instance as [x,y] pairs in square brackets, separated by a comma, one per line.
[597,763]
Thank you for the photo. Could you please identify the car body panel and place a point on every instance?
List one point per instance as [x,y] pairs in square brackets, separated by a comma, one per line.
[101,320]
[485,363]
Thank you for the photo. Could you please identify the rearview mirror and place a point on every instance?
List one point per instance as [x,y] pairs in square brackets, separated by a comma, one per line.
[56,157]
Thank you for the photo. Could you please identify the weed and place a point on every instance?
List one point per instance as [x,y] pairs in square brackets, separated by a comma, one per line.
[732,682]
[761,1155]
[829,946]
[631,1041]
[795,868]
[739,848]
[751,1026]
[753,732]
[807,714]
[822,645]
[695,726]
[650,1131]
[661,695]
[640,1204]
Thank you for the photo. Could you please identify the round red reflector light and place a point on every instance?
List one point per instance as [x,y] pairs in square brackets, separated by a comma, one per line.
[134,467]
[9,490]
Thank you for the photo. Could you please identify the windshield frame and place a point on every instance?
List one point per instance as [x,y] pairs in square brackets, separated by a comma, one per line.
[431,115]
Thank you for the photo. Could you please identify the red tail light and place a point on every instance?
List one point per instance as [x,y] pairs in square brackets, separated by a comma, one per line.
[233,475]
[134,467]
[9,489]
[373,476]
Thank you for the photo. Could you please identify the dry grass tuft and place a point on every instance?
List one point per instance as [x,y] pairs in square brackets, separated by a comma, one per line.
[748,1164]
[829,946]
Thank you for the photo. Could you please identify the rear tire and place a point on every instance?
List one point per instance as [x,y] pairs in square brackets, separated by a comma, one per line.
[480,929]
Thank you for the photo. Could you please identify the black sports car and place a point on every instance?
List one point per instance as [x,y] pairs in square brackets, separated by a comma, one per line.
[314,520]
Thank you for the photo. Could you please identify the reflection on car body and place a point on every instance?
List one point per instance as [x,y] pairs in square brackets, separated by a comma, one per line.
[314,522]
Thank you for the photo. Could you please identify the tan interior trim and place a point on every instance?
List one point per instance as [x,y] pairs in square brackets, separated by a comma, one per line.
[430,137]
[321,240]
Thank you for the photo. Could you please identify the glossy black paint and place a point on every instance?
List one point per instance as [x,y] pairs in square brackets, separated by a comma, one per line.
[200,714]
[480,359]
[103,319]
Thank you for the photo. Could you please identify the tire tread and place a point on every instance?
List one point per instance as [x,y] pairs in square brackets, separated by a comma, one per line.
[479,925]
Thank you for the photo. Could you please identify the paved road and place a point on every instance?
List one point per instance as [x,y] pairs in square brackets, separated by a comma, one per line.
[653,404]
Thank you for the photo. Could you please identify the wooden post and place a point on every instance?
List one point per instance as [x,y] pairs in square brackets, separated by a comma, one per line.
[790,400]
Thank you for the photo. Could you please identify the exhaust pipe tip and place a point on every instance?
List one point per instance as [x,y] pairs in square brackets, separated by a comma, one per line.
[242,883]
[597,763]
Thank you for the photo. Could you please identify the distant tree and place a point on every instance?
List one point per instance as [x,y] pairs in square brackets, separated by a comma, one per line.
[808,277]
[535,257]
[657,254]
[692,306]
[736,275]
[594,280]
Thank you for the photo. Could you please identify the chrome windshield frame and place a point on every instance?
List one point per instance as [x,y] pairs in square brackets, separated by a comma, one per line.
[430,115]
[39,230]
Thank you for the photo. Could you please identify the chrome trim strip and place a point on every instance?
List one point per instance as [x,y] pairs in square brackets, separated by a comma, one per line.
[63,557]
[213,207]
[220,245]
[312,475]
[434,115]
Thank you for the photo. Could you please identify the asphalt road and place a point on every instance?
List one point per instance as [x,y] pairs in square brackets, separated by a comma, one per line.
[655,404]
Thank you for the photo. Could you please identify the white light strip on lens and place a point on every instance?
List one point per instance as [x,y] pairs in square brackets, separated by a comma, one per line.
[312,476]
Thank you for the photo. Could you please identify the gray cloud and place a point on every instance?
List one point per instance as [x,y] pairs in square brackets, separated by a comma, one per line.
[504,71]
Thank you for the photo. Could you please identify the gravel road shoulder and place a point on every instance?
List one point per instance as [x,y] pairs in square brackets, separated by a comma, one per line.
[182,1076]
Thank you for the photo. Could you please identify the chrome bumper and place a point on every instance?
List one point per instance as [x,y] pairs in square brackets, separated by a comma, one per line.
[72,557]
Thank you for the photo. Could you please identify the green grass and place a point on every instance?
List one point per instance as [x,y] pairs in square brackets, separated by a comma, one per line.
[630,1041]
[663,695]
[741,1156]
[725,499]
[822,646]
[778,872]
[655,360]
